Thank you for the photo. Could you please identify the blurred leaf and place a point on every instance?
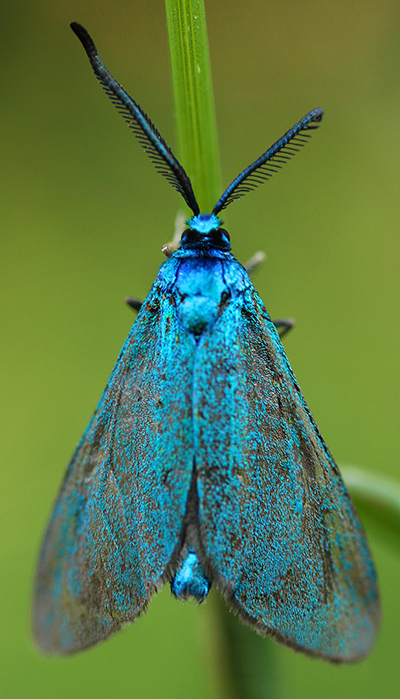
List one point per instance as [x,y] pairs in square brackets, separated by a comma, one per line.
[193,98]
[377,499]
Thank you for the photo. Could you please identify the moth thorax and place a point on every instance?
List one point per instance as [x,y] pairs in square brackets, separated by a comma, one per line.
[198,313]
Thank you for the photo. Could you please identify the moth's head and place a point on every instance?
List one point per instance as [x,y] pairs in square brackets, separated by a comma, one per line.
[205,229]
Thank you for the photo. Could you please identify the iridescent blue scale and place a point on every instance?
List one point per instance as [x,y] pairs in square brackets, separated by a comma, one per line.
[204,223]
[202,463]
[190,579]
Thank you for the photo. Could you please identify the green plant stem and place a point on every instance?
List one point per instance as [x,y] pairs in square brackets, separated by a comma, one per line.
[240,659]
[193,98]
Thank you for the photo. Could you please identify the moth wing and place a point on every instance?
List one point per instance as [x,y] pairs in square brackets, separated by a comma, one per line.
[280,535]
[117,522]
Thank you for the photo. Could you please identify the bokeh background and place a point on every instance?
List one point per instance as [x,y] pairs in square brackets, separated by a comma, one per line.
[83,218]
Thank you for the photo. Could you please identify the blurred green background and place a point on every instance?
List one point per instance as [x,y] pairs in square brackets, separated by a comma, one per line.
[84,216]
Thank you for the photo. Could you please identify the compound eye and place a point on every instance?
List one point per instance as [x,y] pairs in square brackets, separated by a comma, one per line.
[189,236]
[221,237]
[225,234]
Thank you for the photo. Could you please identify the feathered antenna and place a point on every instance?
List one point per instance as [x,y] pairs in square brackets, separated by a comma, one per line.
[145,131]
[271,161]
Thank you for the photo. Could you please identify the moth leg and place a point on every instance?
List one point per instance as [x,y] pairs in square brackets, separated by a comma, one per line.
[167,250]
[134,303]
[179,227]
[283,325]
[255,261]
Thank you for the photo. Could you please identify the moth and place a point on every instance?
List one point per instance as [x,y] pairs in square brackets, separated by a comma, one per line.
[202,463]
